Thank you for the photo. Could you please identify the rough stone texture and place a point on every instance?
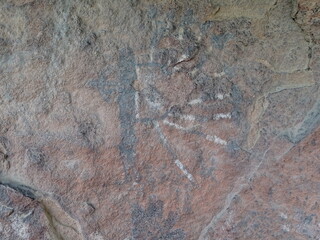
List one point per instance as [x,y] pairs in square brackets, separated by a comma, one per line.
[163,119]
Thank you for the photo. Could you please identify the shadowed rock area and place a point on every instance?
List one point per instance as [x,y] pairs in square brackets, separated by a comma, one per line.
[159,120]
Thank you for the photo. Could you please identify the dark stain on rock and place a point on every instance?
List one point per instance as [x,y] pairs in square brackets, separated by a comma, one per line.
[89,40]
[150,224]
[88,132]
[106,89]
[126,102]
[237,100]
[24,190]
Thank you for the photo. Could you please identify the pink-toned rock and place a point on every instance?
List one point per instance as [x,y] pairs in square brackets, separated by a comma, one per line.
[166,120]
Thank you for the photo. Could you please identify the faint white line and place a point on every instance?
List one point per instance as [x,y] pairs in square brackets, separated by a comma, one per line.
[177,126]
[137,102]
[166,143]
[188,117]
[195,101]
[216,140]
[181,31]
[162,137]
[184,170]
[185,117]
[151,54]
[222,116]
[220,96]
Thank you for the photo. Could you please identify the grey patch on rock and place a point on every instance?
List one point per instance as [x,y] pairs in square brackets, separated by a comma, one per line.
[4,198]
[308,219]
[206,85]
[306,127]
[154,96]
[134,3]
[4,146]
[88,130]
[206,171]
[188,18]
[105,88]
[89,41]
[5,211]
[220,40]
[36,155]
[149,223]
[4,154]
[233,147]
[237,100]
[126,102]
[204,27]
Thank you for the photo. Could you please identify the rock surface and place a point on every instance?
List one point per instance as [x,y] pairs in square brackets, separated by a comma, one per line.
[164,119]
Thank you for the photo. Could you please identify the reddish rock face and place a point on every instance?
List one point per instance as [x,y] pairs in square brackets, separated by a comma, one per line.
[166,120]
[307,15]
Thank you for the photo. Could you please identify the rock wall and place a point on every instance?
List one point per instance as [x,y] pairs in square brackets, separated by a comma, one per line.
[162,119]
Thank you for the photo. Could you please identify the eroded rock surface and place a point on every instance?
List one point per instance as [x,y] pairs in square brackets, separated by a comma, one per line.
[136,119]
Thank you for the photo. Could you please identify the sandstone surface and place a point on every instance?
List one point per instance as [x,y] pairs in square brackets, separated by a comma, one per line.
[159,119]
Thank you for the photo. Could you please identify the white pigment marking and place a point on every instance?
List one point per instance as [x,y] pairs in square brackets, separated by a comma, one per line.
[156,105]
[195,101]
[181,31]
[162,137]
[151,54]
[283,215]
[286,228]
[137,103]
[177,162]
[194,71]
[220,96]
[185,117]
[177,126]
[222,116]
[216,140]
[219,74]
[138,73]
[184,170]
[188,117]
